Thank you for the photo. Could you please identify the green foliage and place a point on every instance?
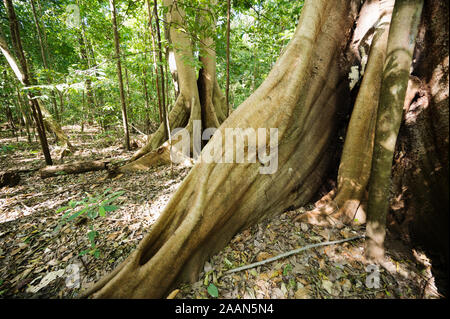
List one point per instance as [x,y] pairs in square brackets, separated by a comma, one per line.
[213,291]
[91,207]
[287,269]
[260,30]
[6,149]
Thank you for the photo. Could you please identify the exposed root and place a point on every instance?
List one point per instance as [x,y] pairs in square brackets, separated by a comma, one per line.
[332,211]
[345,205]
[164,155]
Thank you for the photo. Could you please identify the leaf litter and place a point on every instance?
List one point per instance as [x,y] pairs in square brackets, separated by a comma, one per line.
[36,263]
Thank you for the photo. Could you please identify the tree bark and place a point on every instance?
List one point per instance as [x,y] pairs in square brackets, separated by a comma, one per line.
[24,114]
[300,97]
[347,203]
[73,168]
[147,101]
[400,49]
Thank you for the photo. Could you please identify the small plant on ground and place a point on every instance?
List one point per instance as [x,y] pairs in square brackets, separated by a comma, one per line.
[6,149]
[90,208]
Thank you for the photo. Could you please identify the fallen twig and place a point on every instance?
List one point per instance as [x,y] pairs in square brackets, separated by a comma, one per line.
[290,253]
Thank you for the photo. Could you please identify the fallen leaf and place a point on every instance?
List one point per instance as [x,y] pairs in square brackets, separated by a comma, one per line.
[46,280]
[327,285]
[302,293]
[173,294]
[304,227]
[263,256]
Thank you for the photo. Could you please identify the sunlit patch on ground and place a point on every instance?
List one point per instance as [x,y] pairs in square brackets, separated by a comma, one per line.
[29,249]
[34,261]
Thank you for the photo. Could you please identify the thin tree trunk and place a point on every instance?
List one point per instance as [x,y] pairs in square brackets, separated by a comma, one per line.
[44,53]
[227,89]
[147,101]
[402,36]
[24,115]
[161,69]
[119,75]
[127,82]
[23,75]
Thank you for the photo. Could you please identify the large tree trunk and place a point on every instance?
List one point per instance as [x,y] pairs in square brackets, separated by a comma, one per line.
[300,97]
[199,98]
[347,203]
[420,192]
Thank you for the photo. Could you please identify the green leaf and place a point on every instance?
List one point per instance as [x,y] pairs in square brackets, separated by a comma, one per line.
[61,209]
[96,253]
[93,214]
[84,252]
[287,269]
[91,235]
[111,208]
[66,214]
[213,291]
[112,198]
[228,263]
[102,211]
[72,217]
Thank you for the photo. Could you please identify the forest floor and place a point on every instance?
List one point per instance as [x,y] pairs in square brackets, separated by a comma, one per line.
[42,257]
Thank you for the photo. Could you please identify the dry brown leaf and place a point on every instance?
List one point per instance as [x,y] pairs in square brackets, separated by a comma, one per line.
[302,293]
[173,294]
[263,256]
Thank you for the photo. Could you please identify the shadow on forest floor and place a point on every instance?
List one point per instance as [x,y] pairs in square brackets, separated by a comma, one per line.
[34,260]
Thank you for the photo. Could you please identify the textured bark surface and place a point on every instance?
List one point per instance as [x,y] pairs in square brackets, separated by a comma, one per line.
[420,193]
[10,179]
[54,127]
[73,168]
[396,72]
[300,97]
[347,203]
